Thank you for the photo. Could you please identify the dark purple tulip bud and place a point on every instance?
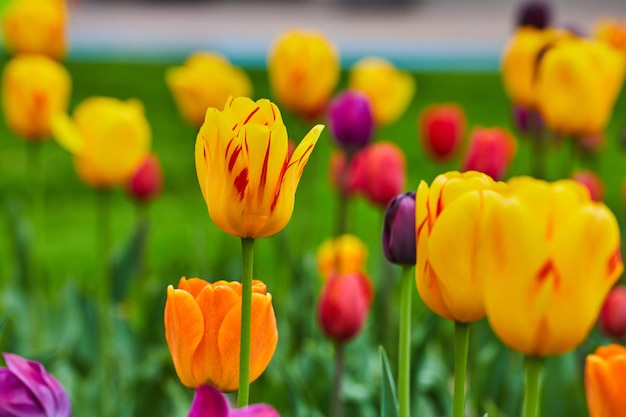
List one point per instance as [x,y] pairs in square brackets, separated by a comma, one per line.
[209,402]
[27,390]
[351,120]
[534,13]
[399,230]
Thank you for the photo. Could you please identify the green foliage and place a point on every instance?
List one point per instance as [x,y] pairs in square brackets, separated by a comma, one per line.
[388,397]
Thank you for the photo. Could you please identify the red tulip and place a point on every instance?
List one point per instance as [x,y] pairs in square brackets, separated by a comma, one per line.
[344,304]
[592,182]
[613,313]
[490,151]
[442,127]
[348,180]
[384,173]
[147,181]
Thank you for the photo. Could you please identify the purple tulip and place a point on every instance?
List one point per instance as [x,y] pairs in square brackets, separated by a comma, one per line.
[534,13]
[399,230]
[27,390]
[209,402]
[351,120]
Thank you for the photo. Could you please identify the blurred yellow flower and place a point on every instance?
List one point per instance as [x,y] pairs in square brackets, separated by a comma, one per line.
[389,89]
[109,138]
[605,378]
[35,26]
[447,219]
[246,175]
[34,88]
[205,80]
[520,59]
[303,69]
[548,257]
[202,328]
[612,32]
[578,82]
[341,255]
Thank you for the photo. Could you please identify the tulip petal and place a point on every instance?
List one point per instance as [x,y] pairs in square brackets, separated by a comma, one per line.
[184,329]
[256,410]
[66,133]
[454,234]
[16,400]
[512,251]
[605,379]
[585,252]
[208,402]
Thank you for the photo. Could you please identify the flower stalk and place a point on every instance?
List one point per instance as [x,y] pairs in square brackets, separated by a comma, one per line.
[461,345]
[404,363]
[533,367]
[243,394]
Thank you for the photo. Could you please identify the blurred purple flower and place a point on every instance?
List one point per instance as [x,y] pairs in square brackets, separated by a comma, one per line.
[351,120]
[399,230]
[535,13]
[209,402]
[27,390]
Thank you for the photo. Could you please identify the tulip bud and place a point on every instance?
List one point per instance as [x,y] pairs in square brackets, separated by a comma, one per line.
[147,181]
[399,230]
[27,390]
[351,120]
[348,180]
[442,127]
[490,151]
[592,182]
[613,313]
[605,376]
[384,174]
[534,13]
[343,305]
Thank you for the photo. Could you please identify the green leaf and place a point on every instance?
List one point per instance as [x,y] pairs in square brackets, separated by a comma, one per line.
[389,399]
[127,264]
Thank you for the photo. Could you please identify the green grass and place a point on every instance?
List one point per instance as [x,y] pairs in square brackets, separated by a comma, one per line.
[182,241]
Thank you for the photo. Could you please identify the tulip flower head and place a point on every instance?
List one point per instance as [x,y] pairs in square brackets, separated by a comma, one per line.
[448,214]
[348,180]
[35,27]
[548,257]
[384,173]
[341,255]
[351,120]
[399,230]
[490,150]
[442,127]
[202,328]
[207,79]
[303,69]
[605,378]
[34,89]
[613,314]
[108,138]
[209,402]
[535,13]
[147,180]
[592,182]
[389,89]
[27,390]
[246,177]
[344,304]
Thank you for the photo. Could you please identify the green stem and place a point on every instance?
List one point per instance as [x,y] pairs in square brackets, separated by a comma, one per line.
[342,209]
[106,363]
[532,391]
[247,247]
[404,370]
[461,344]
[337,406]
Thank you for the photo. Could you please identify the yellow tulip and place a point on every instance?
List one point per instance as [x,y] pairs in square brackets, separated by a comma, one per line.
[245,173]
[34,88]
[389,89]
[303,69]
[548,257]
[612,32]
[578,82]
[206,80]
[342,255]
[36,27]
[520,59]
[108,138]
[605,378]
[202,329]
[447,219]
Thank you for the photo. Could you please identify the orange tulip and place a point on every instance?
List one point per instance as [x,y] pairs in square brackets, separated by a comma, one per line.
[36,27]
[611,31]
[202,328]
[303,69]
[34,89]
[605,378]
[247,178]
